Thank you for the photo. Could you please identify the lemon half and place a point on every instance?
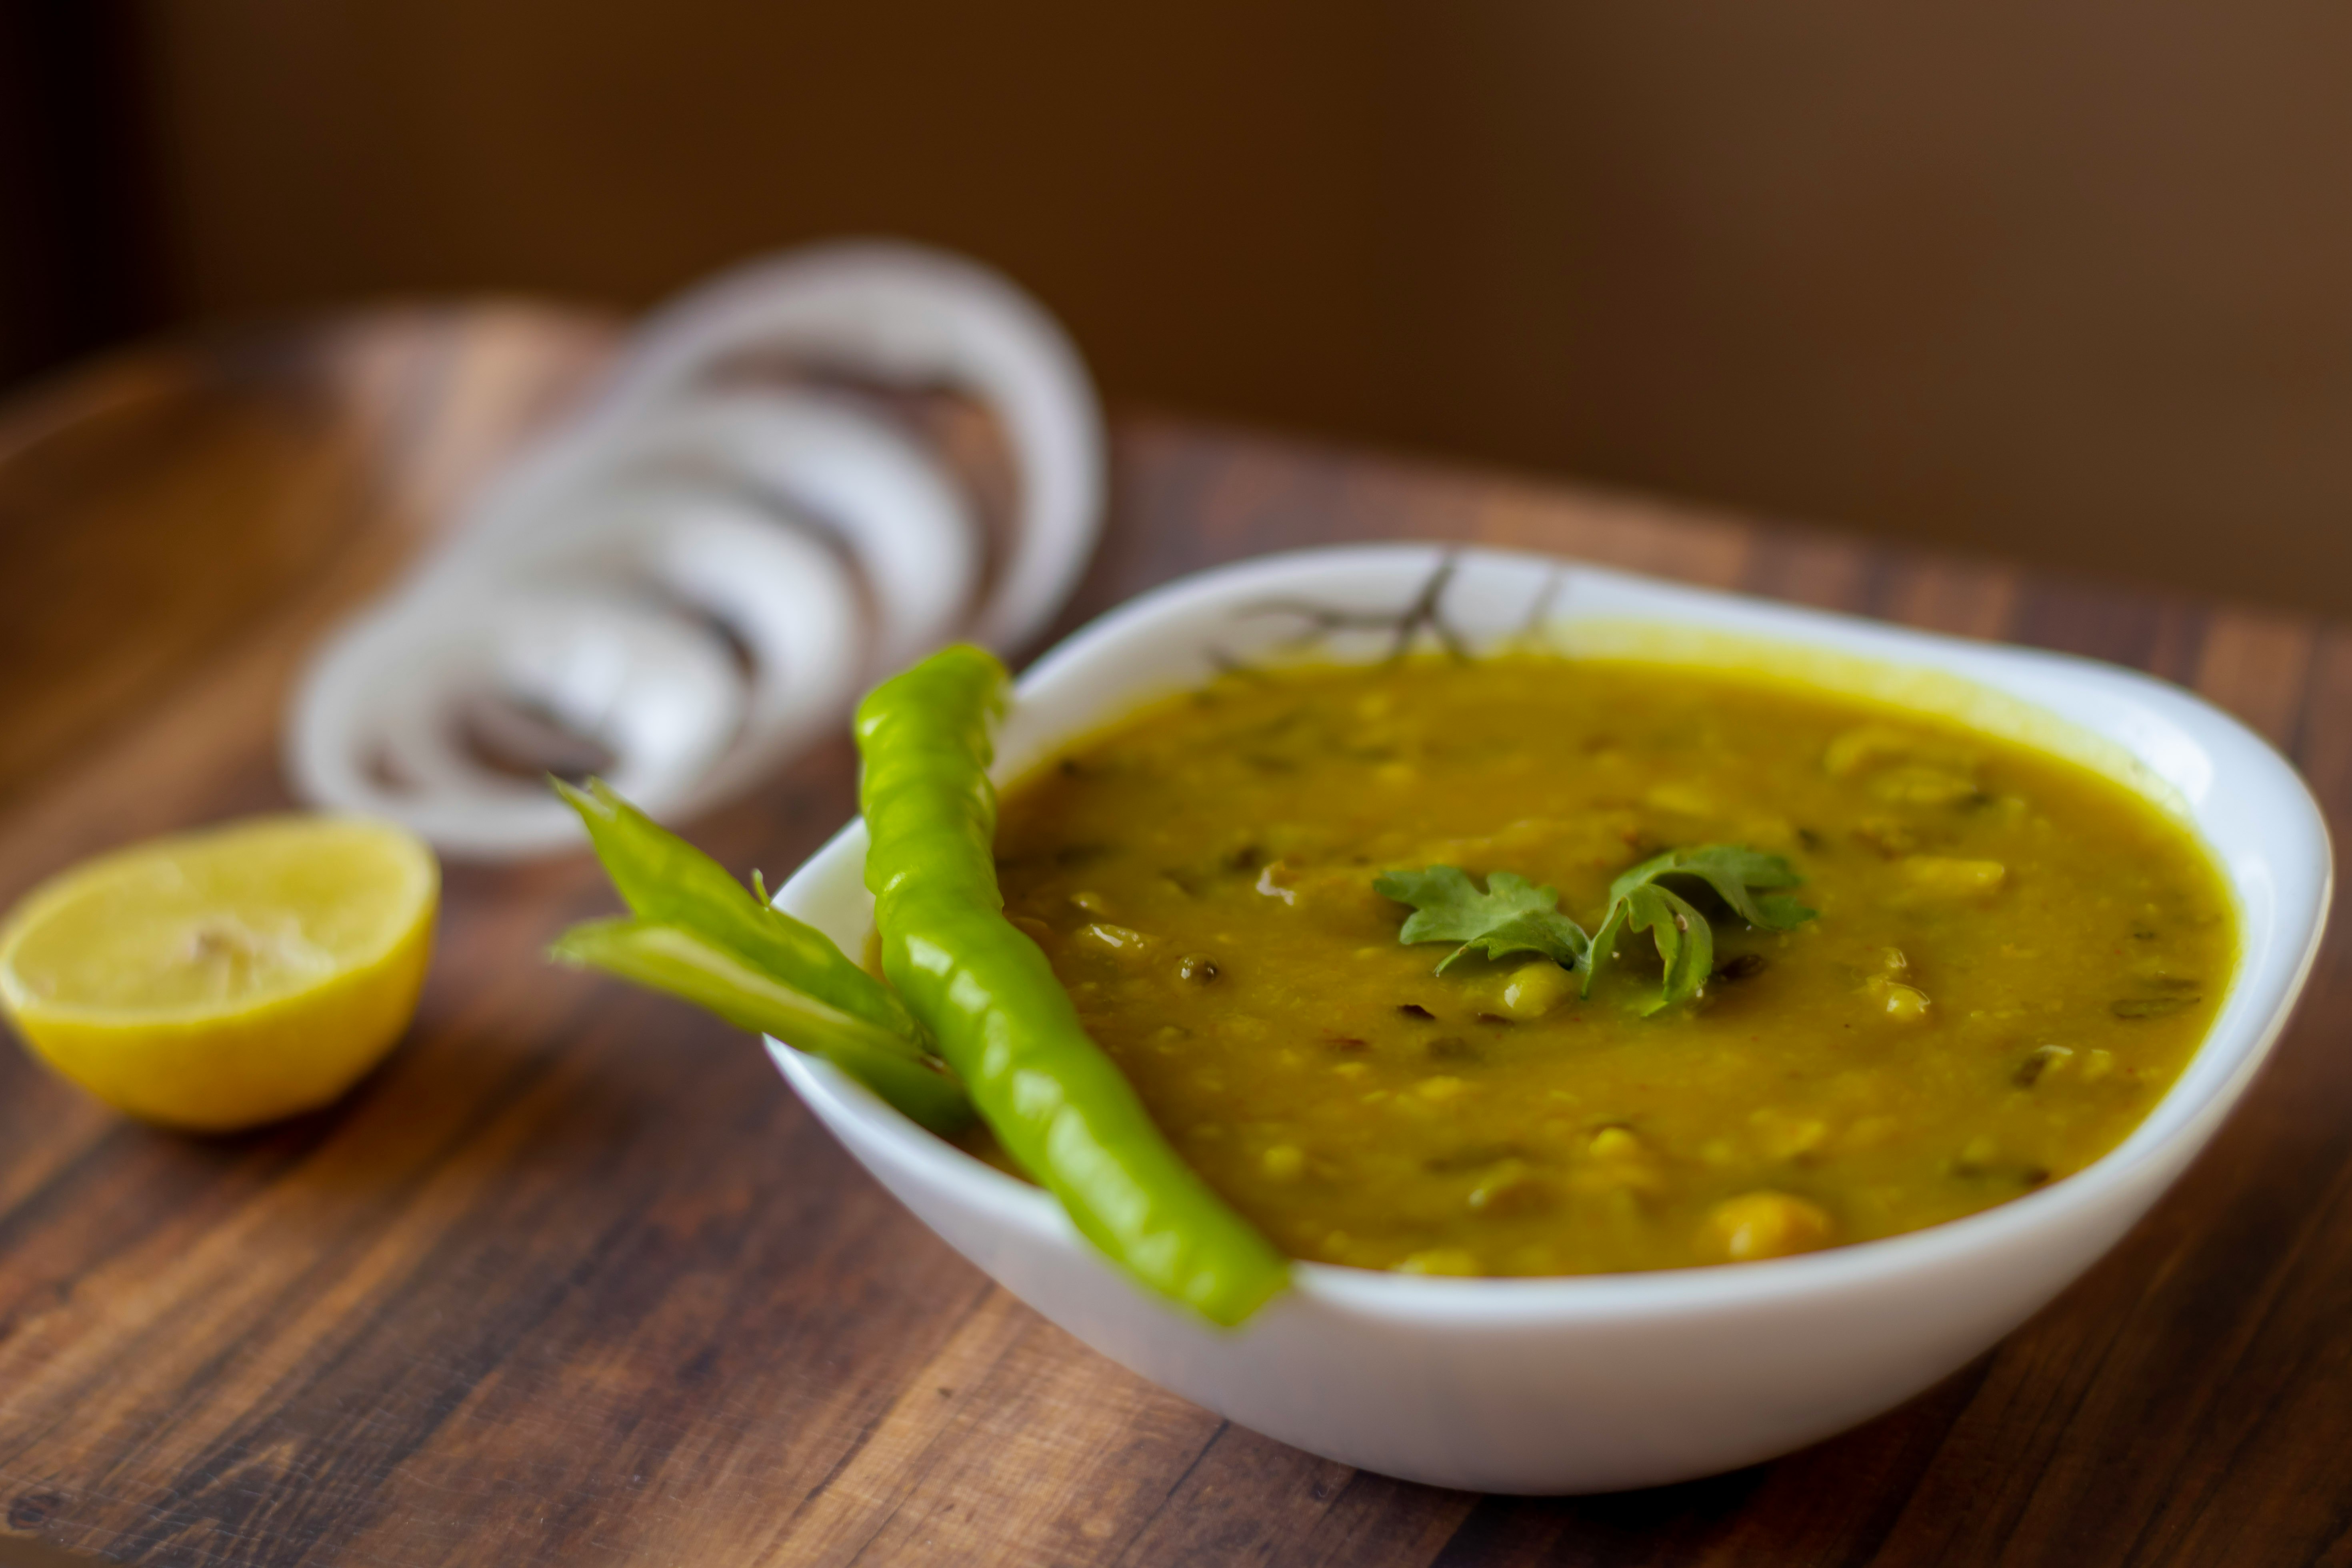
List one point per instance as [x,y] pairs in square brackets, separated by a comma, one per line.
[225,978]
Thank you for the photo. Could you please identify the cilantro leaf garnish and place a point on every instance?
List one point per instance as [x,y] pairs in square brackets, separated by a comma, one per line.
[1511,916]
[1743,878]
[1737,876]
[1686,941]
[1514,916]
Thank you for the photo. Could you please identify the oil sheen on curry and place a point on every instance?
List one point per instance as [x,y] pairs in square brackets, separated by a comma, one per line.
[2009,958]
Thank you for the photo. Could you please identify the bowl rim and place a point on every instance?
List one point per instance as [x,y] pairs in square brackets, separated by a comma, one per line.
[2262,994]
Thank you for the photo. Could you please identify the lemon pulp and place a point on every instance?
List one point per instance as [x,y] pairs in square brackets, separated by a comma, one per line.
[224,978]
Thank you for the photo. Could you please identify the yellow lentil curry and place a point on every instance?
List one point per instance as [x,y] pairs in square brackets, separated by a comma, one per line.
[2011,959]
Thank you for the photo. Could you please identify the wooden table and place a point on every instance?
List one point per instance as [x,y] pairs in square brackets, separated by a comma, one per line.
[573,1280]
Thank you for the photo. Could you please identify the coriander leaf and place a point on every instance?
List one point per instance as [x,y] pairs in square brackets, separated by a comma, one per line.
[1604,944]
[1545,931]
[1685,943]
[1511,915]
[1743,878]
[1737,874]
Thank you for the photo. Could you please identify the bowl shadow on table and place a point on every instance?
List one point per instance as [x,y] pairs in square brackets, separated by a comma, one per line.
[1834,1501]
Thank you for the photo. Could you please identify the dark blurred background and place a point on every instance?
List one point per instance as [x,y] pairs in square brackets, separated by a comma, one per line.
[2071,282]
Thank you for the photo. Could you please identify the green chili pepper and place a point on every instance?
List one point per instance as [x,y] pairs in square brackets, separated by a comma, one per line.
[687,965]
[699,935]
[1002,1019]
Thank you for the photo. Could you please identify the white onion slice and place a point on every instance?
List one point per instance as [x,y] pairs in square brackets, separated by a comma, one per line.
[790,600]
[588,580]
[899,312]
[785,597]
[808,459]
[887,501]
[382,708]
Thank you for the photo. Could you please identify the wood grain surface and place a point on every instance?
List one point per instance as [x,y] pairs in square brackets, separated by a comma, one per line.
[573,1280]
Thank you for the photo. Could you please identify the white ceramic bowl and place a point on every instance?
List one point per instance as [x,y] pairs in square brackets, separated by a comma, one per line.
[1596,1384]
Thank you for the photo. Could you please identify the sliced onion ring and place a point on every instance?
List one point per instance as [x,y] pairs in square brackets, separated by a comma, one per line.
[381,708]
[584,579]
[899,312]
[886,499]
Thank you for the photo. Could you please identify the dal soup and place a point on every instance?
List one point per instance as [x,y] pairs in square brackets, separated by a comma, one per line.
[2010,960]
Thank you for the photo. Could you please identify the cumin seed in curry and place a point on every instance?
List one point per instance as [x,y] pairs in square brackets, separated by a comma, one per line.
[2009,959]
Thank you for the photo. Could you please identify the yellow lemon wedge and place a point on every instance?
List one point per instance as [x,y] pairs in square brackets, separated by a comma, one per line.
[225,978]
